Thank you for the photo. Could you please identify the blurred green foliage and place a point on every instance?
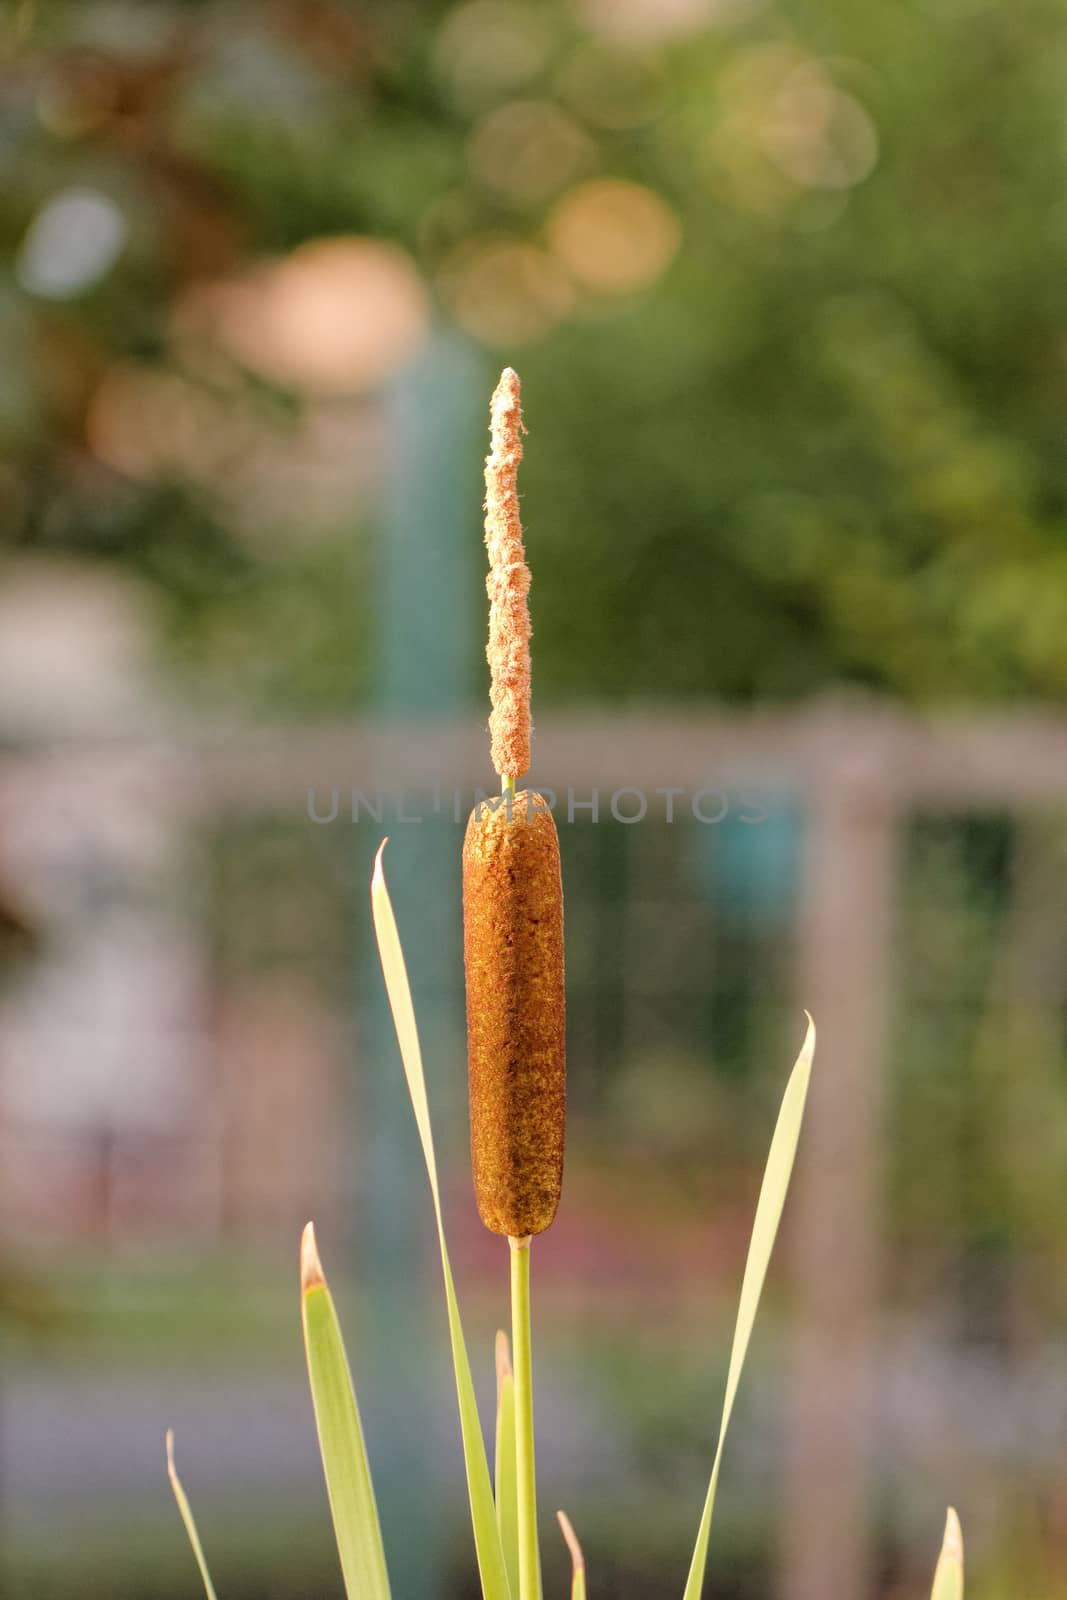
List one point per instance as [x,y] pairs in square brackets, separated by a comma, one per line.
[821,444]
[817,441]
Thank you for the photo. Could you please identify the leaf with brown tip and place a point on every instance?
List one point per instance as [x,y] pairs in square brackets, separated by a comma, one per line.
[577,1558]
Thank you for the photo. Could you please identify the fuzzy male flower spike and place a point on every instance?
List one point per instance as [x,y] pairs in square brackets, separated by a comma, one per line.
[508,585]
[513,902]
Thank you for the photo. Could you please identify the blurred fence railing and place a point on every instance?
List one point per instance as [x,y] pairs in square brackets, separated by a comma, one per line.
[856,772]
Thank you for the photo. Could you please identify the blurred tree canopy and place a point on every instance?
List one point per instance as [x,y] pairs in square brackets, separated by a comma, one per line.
[783,282]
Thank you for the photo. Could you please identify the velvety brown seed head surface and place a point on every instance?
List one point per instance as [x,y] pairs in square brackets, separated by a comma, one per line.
[513,950]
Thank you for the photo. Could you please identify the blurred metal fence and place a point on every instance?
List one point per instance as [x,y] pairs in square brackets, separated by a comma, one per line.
[807,810]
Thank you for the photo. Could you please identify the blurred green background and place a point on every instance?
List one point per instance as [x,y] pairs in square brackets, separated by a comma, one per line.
[784,286]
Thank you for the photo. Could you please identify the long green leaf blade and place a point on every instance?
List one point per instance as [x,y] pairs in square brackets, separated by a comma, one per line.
[507,1488]
[491,1568]
[948,1579]
[577,1558]
[776,1177]
[344,1454]
[186,1511]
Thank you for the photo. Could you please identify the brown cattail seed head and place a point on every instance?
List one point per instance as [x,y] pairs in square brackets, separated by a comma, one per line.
[508,584]
[513,949]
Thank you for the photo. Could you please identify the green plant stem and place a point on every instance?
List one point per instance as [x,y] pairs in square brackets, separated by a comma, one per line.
[529,1558]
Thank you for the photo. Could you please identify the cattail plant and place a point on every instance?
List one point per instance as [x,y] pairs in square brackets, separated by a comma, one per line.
[513,901]
[513,949]
[513,955]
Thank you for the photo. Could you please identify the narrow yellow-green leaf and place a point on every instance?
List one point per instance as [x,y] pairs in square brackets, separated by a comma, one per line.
[577,1558]
[487,1544]
[507,1503]
[776,1177]
[344,1454]
[186,1511]
[948,1579]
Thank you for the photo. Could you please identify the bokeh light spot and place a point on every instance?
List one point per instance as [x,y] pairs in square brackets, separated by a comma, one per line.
[817,134]
[613,235]
[489,48]
[72,242]
[505,291]
[642,22]
[142,421]
[337,316]
[528,150]
[612,89]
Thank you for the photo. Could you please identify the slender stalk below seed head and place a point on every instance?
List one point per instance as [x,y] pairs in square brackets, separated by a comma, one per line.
[525,1466]
[508,585]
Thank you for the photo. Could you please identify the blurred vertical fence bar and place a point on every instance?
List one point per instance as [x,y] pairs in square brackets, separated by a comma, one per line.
[429,621]
[846,981]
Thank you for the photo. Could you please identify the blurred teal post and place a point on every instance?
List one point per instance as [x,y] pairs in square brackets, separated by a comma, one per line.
[429,621]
